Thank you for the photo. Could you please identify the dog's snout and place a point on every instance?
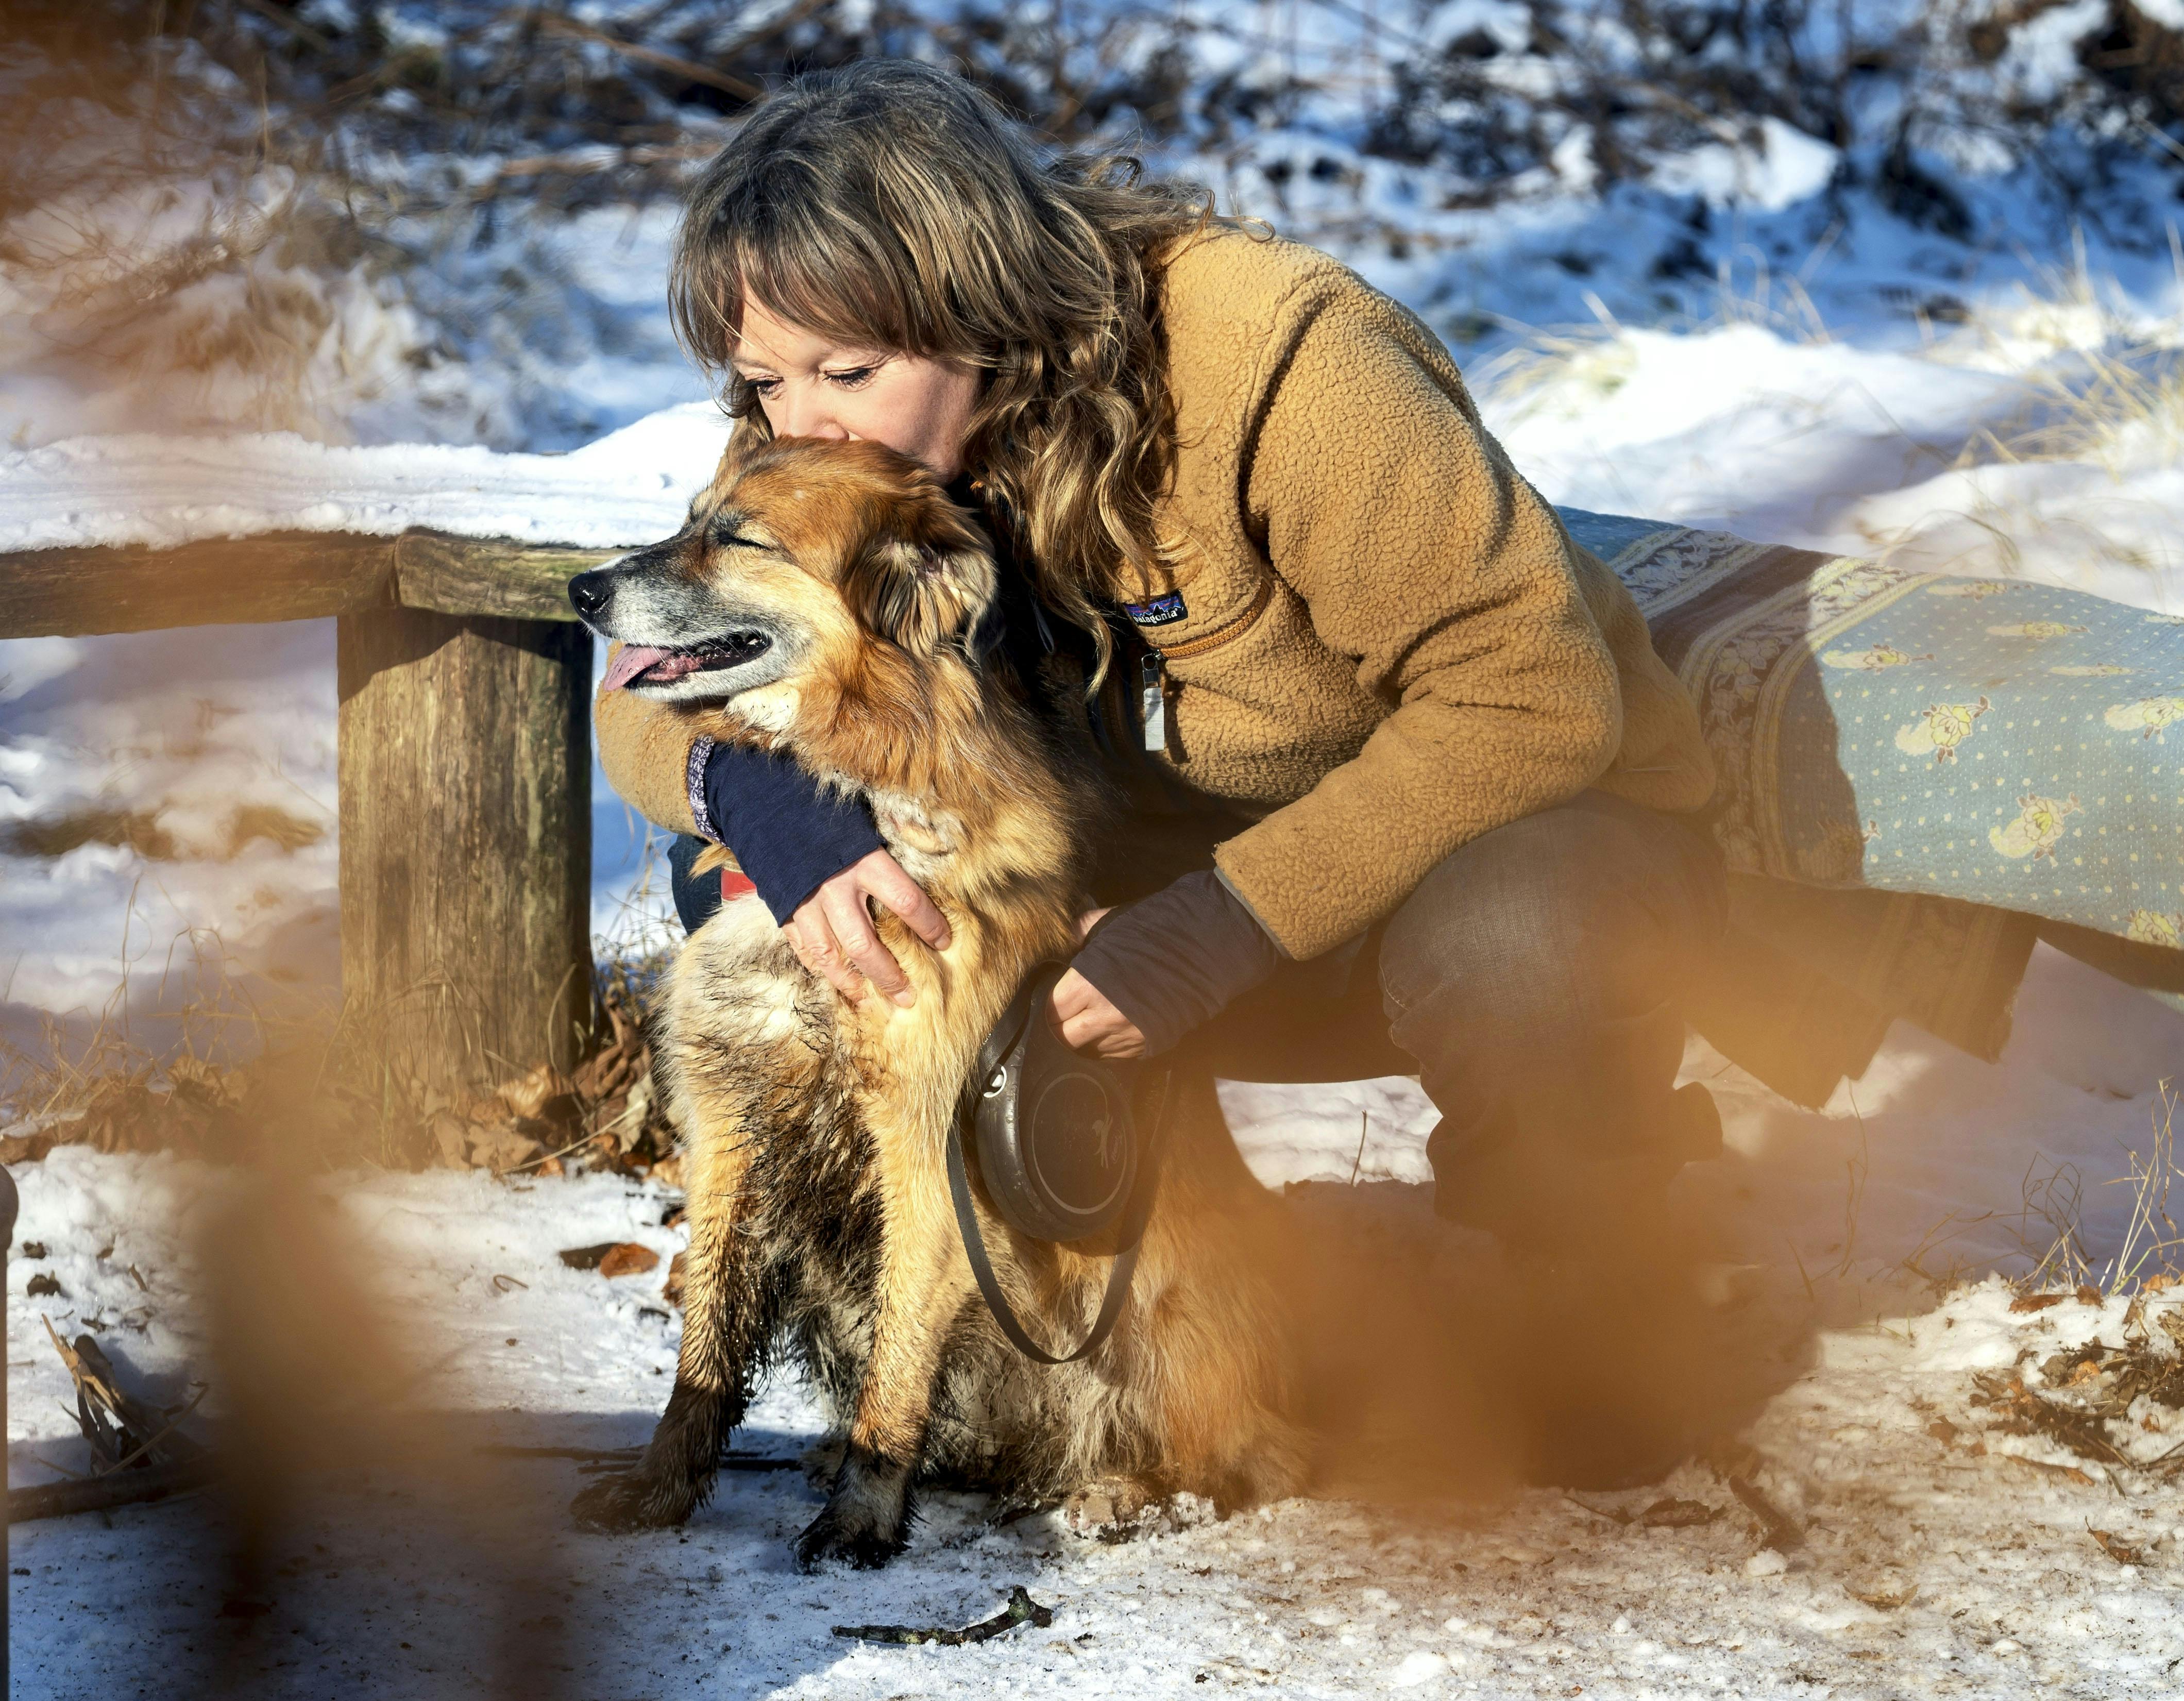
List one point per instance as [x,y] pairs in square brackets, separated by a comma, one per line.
[590,592]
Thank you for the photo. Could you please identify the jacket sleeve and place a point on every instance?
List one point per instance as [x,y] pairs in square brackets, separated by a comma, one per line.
[1424,560]
[644,751]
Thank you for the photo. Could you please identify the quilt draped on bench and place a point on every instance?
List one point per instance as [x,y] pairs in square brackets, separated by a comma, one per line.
[1920,774]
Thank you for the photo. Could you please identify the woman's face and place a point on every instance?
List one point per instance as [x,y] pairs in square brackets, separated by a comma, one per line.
[812,386]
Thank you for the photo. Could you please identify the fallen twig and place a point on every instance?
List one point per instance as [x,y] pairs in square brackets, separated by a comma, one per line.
[1781,1533]
[501,1450]
[100,1493]
[1678,1515]
[2069,1472]
[531,1163]
[726,82]
[607,1457]
[1021,1609]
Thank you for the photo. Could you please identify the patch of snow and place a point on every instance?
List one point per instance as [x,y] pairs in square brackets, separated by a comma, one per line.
[1517,1592]
[630,487]
[1787,166]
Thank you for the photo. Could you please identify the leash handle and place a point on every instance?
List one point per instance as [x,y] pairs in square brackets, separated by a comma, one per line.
[1118,1276]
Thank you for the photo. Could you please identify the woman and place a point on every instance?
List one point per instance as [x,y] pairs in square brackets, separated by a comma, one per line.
[1366,701]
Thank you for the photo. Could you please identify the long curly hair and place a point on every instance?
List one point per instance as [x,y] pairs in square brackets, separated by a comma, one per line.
[892,203]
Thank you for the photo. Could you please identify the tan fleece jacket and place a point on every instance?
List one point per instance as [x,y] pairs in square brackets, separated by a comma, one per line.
[1389,646]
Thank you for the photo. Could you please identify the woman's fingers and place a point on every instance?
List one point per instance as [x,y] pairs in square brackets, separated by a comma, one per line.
[814,943]
[832,932]
[1087,1022]
[884,879]
[1089,920]
[843,901]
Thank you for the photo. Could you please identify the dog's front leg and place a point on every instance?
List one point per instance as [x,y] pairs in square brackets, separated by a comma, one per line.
[923,1280]
[725,1325]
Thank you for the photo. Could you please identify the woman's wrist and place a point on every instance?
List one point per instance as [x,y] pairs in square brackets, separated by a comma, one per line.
[790,833]
[1174,961]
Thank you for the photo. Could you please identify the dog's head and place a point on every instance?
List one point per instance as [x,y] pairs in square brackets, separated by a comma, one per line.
[799,557]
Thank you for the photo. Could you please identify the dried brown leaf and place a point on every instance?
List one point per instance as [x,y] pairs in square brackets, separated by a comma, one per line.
[2122,1552]
[629,1258]
[530,1094]
[2069,1472]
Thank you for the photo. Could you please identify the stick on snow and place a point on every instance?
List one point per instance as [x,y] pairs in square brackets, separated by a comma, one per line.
[1021,1609]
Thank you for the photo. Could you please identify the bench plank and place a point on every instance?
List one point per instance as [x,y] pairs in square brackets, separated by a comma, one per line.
[76,593]
[475,576]
[276,575]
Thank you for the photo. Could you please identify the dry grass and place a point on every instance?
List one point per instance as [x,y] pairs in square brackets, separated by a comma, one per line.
[2051,1225]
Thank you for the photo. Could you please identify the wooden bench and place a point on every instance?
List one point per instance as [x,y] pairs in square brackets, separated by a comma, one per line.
[464,772]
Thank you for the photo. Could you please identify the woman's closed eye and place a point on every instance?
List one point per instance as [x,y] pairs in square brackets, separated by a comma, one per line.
[767,386]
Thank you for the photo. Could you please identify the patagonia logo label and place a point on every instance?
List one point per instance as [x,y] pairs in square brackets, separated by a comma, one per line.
[1161,610]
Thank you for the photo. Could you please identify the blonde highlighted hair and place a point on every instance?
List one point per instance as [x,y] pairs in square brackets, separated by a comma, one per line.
[891,203]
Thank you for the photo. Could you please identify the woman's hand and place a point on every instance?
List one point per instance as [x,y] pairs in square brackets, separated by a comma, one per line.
[1081,1015]
[832,932]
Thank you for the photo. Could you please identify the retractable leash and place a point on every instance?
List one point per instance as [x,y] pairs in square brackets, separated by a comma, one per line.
[1058,1151]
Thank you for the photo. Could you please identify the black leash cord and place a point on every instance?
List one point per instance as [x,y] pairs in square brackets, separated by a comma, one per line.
[1118,1277]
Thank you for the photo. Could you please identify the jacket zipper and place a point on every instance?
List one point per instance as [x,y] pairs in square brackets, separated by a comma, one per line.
[1152,700]
[1224,634]
[1152,667]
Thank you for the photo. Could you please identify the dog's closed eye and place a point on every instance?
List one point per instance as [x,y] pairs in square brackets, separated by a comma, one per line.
[727,534]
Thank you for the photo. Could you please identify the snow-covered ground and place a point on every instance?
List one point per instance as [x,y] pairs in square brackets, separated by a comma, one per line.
[1837,379]
[2004,1592]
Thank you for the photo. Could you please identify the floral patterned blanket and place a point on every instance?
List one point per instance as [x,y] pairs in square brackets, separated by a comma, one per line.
[1920,772]
[1989,739]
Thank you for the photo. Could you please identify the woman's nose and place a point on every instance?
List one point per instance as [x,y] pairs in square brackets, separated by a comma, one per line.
[805,413]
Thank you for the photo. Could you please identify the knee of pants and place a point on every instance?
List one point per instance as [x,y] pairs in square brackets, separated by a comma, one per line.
[1576,915]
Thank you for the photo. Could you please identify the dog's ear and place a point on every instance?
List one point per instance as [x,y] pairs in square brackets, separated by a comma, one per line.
[923,584]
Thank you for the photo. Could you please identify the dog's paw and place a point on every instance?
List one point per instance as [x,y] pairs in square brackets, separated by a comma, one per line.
[1107,1503]
[618,1505]
[838,1534]
[822,1461]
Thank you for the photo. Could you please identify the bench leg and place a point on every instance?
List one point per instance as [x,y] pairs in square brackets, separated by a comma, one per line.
[467,840]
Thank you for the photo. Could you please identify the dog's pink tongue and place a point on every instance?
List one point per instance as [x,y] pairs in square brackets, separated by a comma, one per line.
[629,661]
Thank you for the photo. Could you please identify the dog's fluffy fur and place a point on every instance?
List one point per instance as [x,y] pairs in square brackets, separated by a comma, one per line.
[828,592]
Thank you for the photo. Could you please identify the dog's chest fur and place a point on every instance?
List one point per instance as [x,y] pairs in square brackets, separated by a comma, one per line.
[751,1033]
[755,1041]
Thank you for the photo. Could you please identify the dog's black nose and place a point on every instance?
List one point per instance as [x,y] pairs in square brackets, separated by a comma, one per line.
[589,593]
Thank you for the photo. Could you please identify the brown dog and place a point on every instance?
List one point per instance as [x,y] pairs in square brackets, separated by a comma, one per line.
[819,601]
